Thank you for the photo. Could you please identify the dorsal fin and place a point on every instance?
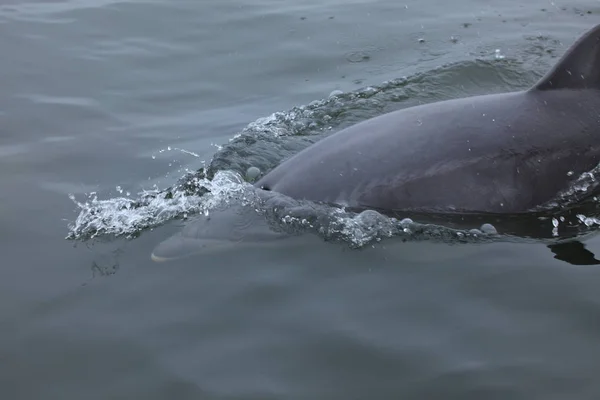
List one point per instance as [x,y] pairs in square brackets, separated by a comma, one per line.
[579,67]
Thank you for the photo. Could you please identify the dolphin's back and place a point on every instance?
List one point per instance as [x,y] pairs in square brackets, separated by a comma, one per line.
[484,153]
[495,153]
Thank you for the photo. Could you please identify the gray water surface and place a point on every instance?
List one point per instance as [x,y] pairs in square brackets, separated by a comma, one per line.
[115,97]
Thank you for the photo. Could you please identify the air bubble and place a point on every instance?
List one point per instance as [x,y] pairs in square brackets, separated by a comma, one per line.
[488,229]
[252,173]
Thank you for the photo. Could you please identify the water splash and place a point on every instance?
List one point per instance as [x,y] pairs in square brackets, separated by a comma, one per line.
[124,216]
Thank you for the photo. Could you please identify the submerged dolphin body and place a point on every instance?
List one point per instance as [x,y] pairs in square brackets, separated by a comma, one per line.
[499,153]
[220,231]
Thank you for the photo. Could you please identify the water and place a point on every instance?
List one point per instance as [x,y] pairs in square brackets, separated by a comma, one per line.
[120,97]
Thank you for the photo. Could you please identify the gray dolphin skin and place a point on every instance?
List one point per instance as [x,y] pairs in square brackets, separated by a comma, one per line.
[499,153]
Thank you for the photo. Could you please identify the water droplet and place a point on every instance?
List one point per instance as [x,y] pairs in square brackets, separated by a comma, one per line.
[589,221]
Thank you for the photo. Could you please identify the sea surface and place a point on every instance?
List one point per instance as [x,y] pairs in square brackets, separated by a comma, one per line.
[106,104]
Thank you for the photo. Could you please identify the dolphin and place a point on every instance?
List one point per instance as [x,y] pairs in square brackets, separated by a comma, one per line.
[499,153]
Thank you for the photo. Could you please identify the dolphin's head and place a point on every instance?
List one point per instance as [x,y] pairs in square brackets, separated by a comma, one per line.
[234,227]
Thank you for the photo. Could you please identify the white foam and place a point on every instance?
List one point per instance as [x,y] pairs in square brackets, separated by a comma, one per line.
[126,216]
